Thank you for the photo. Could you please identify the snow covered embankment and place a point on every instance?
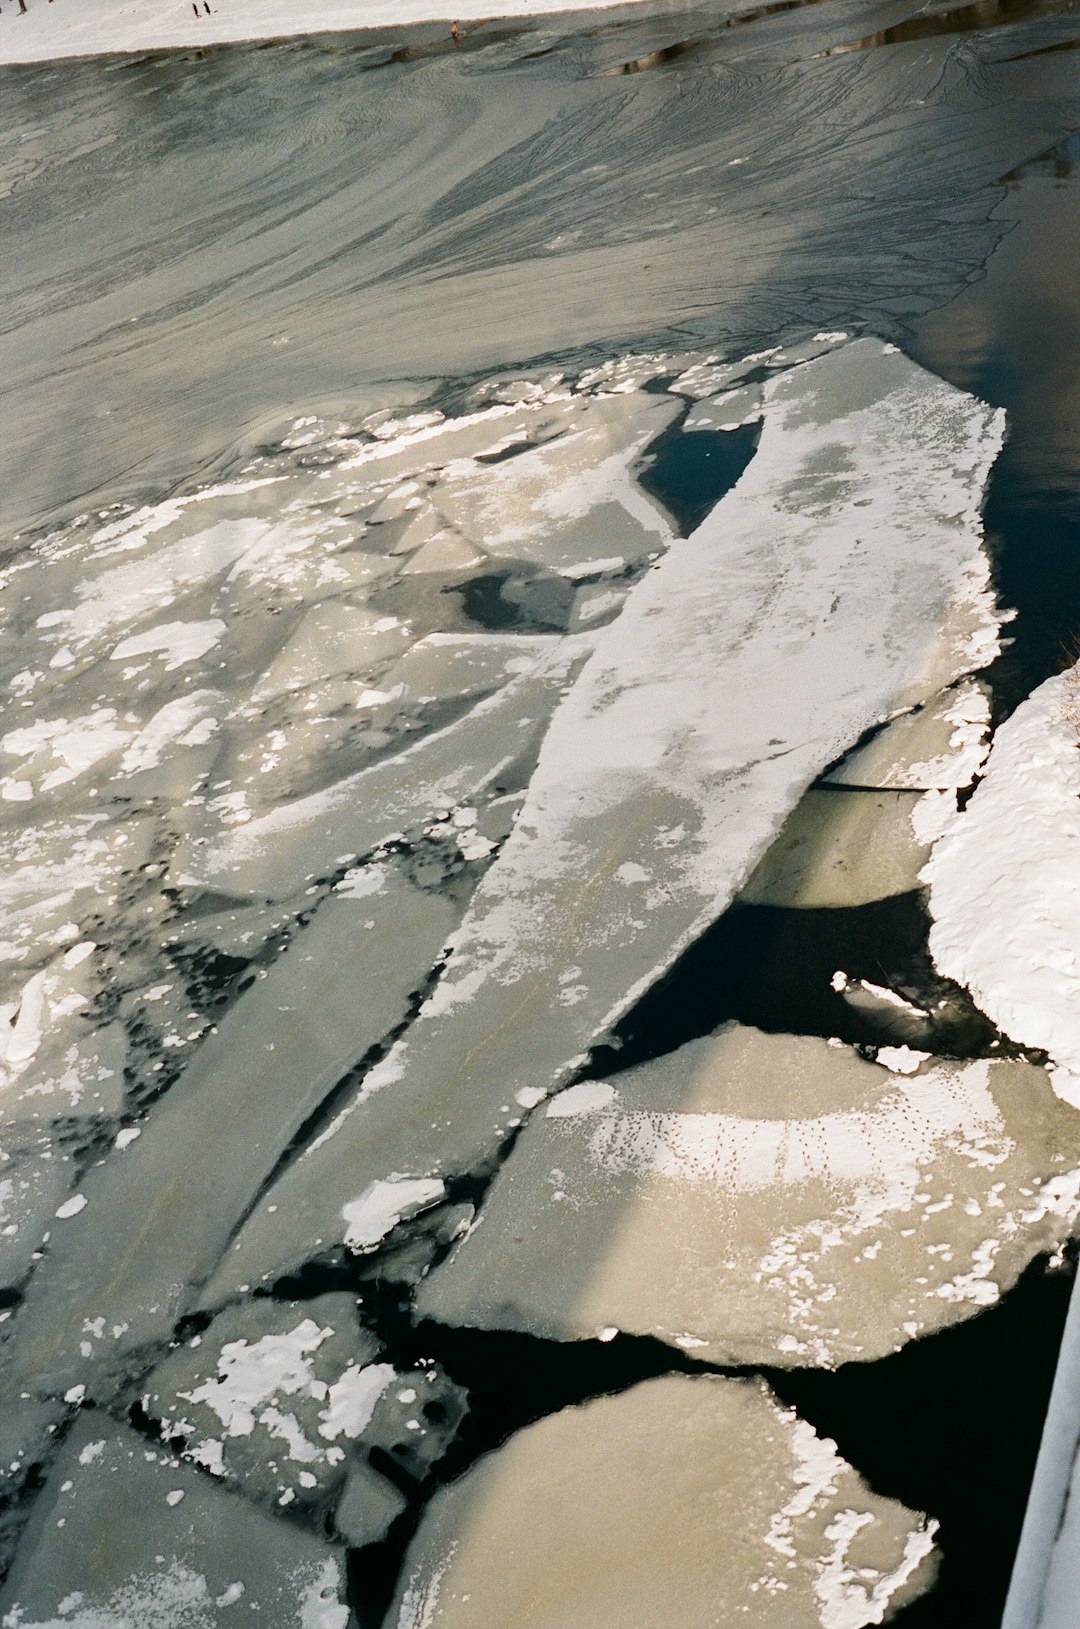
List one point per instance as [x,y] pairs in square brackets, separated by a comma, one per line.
[1005,882]
[83,28]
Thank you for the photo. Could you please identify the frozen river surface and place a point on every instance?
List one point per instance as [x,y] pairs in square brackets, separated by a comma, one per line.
[484,526]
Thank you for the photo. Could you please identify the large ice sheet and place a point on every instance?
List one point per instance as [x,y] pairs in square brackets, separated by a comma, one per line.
[841,578]
[124,1537]
[1005,882]
[694,1502]
[770,1199]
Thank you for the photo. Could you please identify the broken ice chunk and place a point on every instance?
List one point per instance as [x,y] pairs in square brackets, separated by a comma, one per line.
[34,1182]
[775,1197]
[683,1501]
[840,848]
[108,1543]
[940,746]
[341,984]
[573,498]
[277,853]
[54,1060]
[271,1395]
[381,1207]
[367,1507]
[415,1420]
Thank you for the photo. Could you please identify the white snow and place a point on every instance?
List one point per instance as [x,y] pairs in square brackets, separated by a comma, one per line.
[186,721]
[251,1374]
[902,1060]
[319,1604]
[1004,883]
[87,27]
[849,1597]
[350,1401]
[585,1098]
[383,1205]
[178,642]
[969,717]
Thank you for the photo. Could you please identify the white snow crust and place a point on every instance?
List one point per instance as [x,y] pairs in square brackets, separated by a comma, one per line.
[381,1207]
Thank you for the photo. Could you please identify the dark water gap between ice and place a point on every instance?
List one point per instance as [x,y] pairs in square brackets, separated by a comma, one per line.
[689,471]
[771,967]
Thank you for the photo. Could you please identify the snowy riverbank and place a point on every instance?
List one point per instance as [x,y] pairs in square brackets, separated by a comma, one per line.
[1018,843]
[77,28]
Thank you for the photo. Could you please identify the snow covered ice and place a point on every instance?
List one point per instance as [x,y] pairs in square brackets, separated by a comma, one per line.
[437,745]
[825,589]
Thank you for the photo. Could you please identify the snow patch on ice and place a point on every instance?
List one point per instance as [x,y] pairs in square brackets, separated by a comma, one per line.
[585,1098]
[880,1152]
[852,1597]
[251,1374]
[350,1401]
[178,642]
[384,1204]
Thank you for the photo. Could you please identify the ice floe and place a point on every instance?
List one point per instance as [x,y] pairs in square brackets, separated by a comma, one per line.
[1004,882]
[770,1199]
[828,588]
[689,1501]
[940,746]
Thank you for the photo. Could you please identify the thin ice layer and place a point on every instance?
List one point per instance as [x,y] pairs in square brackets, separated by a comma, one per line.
[694,1502]
[842,577]
[124,1537]
[770,1199]
[1005,882]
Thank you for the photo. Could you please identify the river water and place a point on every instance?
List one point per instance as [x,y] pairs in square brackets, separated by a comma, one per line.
[200,249]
